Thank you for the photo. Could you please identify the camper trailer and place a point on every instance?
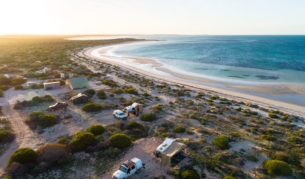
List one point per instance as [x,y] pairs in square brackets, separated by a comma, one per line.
[135,109]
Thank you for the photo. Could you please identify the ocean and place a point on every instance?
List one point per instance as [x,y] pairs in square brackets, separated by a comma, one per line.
[233,59]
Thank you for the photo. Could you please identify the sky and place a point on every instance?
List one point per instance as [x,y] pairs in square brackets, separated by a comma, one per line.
[222,17]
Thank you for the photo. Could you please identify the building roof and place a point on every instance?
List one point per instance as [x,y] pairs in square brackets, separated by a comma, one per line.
[166,143]
[78,83]
[173,149]
[51,83]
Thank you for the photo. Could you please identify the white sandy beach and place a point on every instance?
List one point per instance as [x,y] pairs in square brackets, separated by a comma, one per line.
[104,54]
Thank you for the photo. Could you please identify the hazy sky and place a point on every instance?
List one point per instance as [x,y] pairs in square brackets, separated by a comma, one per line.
[152,16]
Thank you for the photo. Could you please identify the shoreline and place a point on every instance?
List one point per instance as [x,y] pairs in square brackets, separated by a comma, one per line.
[227,93]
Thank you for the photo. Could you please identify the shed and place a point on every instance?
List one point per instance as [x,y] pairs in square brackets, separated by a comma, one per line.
[79,98]
[168,150]
[51,85]
[77,83]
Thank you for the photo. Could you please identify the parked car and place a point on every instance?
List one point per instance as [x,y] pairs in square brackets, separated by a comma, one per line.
[128,168]
[119,114]
[59,105]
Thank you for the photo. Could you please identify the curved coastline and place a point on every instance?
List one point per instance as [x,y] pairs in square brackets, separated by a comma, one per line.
[138,65]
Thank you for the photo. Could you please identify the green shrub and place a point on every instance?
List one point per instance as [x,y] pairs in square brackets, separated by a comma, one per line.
[118,91]
[92,107]
[295,140]
[62,140]
[189,174]
[5,136]
[1,93]
[268,137]
[120,140]
[148,117]
[134,125]
[131,91]
[179,129]
[229,177]
[23,155]
[96,129]
[35,115]
[277,167]
[81,141]
[221,142]
[89,92]
[272,115]
[18,87]
[47,120]
[101,94]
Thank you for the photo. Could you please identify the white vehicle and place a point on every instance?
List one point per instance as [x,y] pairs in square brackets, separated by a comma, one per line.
[128,168]
[119,114]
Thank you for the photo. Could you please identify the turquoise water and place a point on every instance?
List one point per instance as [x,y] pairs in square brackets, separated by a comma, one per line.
[244,59]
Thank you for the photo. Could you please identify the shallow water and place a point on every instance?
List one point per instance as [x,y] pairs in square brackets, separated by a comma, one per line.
[265,59]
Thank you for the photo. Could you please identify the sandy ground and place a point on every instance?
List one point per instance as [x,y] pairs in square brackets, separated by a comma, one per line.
[143,149]
[285,107]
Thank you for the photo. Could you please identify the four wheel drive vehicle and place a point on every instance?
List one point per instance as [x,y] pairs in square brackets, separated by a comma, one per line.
[119,114]
[59,105]
[128,168]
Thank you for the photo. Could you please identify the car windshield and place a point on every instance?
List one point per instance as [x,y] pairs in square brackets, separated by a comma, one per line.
[123,169]
[120,113]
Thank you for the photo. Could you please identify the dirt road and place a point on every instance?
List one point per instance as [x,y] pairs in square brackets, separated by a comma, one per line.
[25,137]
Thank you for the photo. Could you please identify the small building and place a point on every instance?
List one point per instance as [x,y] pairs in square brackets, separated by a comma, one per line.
[79,98]
[77,83]
[169,151]
[51,85]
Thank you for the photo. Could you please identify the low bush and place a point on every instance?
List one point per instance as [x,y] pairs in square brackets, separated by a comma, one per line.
[52,154]
[268,137]
[294,140]
[229,177]
[23,155]
[136,130]
[131,91]
[96,129]
[89,92]
[118,91]
[41,119]
[6,136]
[189,174]
[92,107]
[221,142]
[277,167]
[179,129]
[62,140]
[272,115]
[47,120]
[101,94]
[81,141]
[1,93]
[120,140]
[148,117]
